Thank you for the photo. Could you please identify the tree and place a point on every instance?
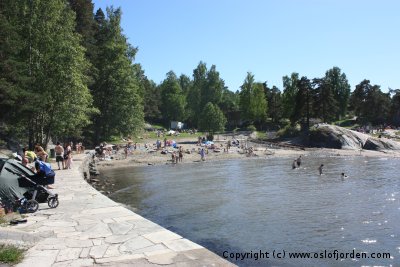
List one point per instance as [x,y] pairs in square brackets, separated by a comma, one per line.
[325,105]
[116,90]
[289,94]
[274,102]
[173,99]
[212,119]
[54,66]
[253,104]
[370,104]
[337,83]
[229,106]
[395,106]
[302,109]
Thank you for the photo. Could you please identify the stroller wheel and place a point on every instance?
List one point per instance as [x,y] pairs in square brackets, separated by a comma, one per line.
[53,202]
[31,206]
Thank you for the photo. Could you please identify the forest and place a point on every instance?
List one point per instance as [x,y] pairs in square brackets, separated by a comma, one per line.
[69,72]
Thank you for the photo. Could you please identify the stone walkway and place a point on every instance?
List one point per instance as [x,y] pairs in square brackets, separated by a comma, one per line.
[87,229]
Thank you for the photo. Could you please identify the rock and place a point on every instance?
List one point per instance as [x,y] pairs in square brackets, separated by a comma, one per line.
[332,136]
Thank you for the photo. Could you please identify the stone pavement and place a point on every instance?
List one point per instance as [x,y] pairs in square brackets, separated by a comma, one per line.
[88,228]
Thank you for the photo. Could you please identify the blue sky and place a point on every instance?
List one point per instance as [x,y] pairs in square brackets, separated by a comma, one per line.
[268,38]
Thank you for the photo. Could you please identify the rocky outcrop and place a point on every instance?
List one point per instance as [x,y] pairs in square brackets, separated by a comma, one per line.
[331,136]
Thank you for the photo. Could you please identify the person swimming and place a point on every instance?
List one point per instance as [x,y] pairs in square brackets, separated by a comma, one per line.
[344,176]
[320,169]
[294,164]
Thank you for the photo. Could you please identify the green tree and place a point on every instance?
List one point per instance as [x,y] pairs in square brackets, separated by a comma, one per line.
[370,104]
[212,119]
[325,105]
[337,83]
[253,104]
[289,94]
[303,104]
[395,106]
[274,102]
[194,94]
[173,99]
[116,90]
[53,84]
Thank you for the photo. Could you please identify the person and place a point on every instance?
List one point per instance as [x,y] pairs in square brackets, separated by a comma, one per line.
[202,154]
[320,169]
[41,154]
[299,161]
[67,156]
[294,164]
[173,156]
[180,154]
[59,155]
[126,151]
[344,176]
[39,176]
[29,155]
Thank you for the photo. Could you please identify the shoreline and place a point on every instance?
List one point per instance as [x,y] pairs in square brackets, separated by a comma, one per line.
[143,157]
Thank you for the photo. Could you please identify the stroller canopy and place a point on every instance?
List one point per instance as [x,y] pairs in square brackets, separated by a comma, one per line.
[9,188]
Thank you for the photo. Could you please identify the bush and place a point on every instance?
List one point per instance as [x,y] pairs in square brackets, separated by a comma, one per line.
[10,254]
[289,131]
[251,128]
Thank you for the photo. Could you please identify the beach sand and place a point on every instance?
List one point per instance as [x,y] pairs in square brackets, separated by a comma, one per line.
[152,157]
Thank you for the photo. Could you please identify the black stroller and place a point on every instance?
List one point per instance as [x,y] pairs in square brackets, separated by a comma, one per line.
[36,194]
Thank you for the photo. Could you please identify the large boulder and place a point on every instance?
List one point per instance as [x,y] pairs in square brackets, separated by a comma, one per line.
[332,136]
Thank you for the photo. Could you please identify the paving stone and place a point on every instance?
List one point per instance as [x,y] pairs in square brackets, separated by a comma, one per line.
[181,245]
[130,217]
[135,244]
[114,239]
[162,236]
[69,234]
[59,223]
[120,228]
[43,258]
[153,248]
[84,253]
[98,251]
[112,251]
[74,263]
[74,243]
[99,230]
[162,259]
[108,221]
[107,210]
[119,258]
[69,254]
[97,242]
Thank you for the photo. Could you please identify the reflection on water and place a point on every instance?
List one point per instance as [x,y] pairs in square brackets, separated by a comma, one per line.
[252,205]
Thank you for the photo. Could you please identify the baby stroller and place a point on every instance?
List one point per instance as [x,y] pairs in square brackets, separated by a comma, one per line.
[36,194]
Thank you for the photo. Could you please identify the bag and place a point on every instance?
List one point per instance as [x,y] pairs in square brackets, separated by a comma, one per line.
[46,168]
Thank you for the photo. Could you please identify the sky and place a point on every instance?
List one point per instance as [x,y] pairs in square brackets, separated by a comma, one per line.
[269,38]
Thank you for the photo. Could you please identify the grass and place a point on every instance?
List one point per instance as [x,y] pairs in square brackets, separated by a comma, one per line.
[11,254]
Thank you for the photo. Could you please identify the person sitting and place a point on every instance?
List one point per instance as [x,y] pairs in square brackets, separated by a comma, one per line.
[41,153]
[29,155]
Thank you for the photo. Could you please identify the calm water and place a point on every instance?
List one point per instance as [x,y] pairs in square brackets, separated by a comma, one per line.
[252,205]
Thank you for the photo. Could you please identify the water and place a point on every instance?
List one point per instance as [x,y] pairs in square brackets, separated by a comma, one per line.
[240,206]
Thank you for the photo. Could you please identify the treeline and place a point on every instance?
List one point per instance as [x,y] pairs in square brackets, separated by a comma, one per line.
[69,72]
[204,101]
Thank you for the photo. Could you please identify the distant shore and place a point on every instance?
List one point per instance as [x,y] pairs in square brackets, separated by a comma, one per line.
[152,157]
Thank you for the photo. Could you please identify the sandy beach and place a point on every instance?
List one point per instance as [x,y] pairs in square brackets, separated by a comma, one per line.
[151,157]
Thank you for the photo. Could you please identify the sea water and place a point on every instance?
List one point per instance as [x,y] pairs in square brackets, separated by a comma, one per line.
[249,211]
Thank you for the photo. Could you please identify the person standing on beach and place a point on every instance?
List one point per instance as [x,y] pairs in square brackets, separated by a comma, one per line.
[320,169]
[59,155]
[299,161]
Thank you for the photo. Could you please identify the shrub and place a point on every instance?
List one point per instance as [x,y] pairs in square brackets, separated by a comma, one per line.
[289,131]
[10,254]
